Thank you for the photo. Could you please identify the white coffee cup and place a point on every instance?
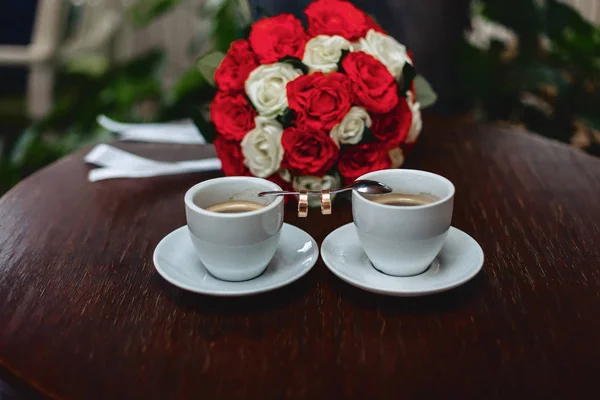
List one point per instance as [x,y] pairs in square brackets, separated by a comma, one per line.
[236,246]
[404,240]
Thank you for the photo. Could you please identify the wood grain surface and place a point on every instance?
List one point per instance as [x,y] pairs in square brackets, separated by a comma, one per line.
[84,315]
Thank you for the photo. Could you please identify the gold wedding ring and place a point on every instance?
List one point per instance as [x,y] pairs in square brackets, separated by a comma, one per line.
[303,204]
[325,202]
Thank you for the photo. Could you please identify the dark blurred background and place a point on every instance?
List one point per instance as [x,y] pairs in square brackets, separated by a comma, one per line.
[527,63]
[16,26]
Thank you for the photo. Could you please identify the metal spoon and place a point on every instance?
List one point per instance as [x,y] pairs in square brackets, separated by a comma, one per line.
[364,186]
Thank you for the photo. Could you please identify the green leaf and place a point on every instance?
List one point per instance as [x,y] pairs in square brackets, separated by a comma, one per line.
[208,64]
[425,93]
[288,118]
[408,75]
[339,64]
[368,136]
[296,63]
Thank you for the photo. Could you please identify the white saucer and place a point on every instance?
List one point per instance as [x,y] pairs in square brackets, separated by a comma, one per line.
[176,260]
[460,259]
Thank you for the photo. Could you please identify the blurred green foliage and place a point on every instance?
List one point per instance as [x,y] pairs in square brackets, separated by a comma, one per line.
[144,12]
[130,91]
[120,91]
[548,81]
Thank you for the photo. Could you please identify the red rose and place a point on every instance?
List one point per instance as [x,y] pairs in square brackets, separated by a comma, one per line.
[393,127]
[334,17]
[236,66]
[230,154]
[308,152]
[277,37]
[232,115]
[362,159]
[321,101]
[373,86]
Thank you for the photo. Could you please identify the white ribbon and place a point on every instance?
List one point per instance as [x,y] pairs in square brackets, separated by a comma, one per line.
[184,132]
[117,163]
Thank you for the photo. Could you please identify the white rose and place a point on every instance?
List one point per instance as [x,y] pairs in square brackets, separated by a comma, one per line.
[262,149]
[350,130]
[387,50]
[417,121]
[265,88]
[322,53]
[328,182]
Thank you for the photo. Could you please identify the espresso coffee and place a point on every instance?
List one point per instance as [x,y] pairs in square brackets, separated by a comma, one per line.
[405,200]
[234,207]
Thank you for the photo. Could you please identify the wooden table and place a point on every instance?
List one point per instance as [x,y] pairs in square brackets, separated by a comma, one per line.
[84,315]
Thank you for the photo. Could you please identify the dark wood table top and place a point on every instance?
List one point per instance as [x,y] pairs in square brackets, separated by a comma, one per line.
[84,315]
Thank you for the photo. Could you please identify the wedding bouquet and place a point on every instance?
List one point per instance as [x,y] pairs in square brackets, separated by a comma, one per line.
[312,108]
